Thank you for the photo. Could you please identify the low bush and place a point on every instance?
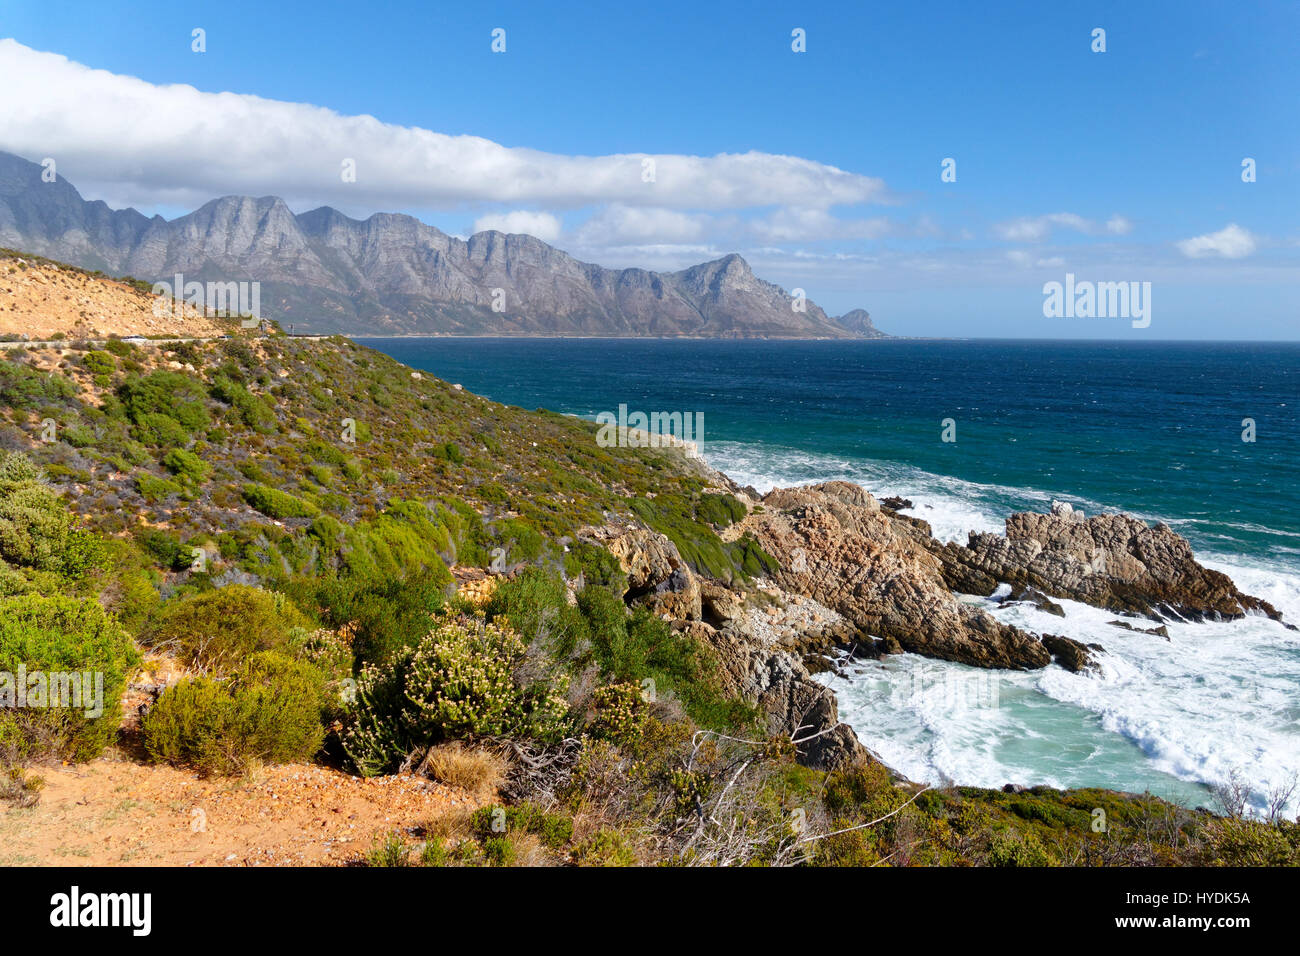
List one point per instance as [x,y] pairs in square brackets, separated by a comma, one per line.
[278,504]
[154,489]
[60,637]
[385,616]
[459,681]
[187,467]
[36,533]
[269,711]
[214,631]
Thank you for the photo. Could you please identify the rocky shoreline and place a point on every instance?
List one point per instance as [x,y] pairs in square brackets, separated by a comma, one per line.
[856,575]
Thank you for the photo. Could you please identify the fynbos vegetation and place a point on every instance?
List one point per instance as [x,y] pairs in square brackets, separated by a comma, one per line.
[373,569]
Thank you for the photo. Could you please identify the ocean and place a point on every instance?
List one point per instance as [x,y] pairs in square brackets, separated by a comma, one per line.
[1153,429]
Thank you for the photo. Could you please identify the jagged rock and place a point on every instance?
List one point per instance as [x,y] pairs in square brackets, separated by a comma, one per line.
[834,544]
[657,575]
[720,605]
[1035,597]
[1113,561]
[895,503]
[1160,631]
[1073,655]
[778,681]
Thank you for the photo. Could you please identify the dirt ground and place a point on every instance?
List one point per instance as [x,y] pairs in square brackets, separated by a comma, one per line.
[115,812]
[41,300]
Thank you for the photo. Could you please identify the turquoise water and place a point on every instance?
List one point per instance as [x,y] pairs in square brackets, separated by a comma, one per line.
[1152,429]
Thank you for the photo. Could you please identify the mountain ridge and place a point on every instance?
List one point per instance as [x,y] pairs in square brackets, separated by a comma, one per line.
[323,271]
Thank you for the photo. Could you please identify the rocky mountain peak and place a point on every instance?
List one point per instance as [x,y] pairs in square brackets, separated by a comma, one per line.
[393,273]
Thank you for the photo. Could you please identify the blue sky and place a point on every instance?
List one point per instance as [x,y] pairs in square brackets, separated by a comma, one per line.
[1115,166]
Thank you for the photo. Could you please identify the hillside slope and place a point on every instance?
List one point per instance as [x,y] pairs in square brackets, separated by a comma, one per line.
[41,299]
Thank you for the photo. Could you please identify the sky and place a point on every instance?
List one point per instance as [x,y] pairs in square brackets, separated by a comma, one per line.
[662,135]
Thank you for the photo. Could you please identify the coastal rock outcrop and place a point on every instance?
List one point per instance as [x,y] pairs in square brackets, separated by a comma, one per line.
[761,662]
[1112,561]
[760,641]
[1074,656]
[658,577]
[835,544]
[1035,597]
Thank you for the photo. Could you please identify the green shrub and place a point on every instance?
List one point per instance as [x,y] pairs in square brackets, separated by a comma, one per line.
[99,363]
[554,830]
[35,528]
[160,430]
[178,396]
[268,711]
[386,616]
[187,466]
[79,436]
[154,489]
[634,648]
[605,847]
[253,411]
[596,566]
[278,504]
[215,630]
[170,552]
[1010,849]
[535,604]
[58,635]
[1231,842]
[719,510]
[22,386]
[688,524]
[457,682]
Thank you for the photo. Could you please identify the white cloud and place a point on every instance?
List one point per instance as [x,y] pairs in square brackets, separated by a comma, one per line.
[1022,258]
[796,224]
[1037,228]
[1231,242]
[540,224]
[151,144]
[618,225]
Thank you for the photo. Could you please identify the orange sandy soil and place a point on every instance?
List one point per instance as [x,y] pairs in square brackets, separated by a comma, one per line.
[43,299]
[114,812]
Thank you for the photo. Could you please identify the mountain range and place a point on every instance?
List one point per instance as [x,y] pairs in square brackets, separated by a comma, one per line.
[391,274]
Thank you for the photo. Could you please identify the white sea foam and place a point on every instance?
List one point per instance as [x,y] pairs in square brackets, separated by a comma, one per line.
[1174,717]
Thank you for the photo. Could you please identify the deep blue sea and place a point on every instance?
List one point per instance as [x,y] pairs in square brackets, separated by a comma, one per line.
[1154,429]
